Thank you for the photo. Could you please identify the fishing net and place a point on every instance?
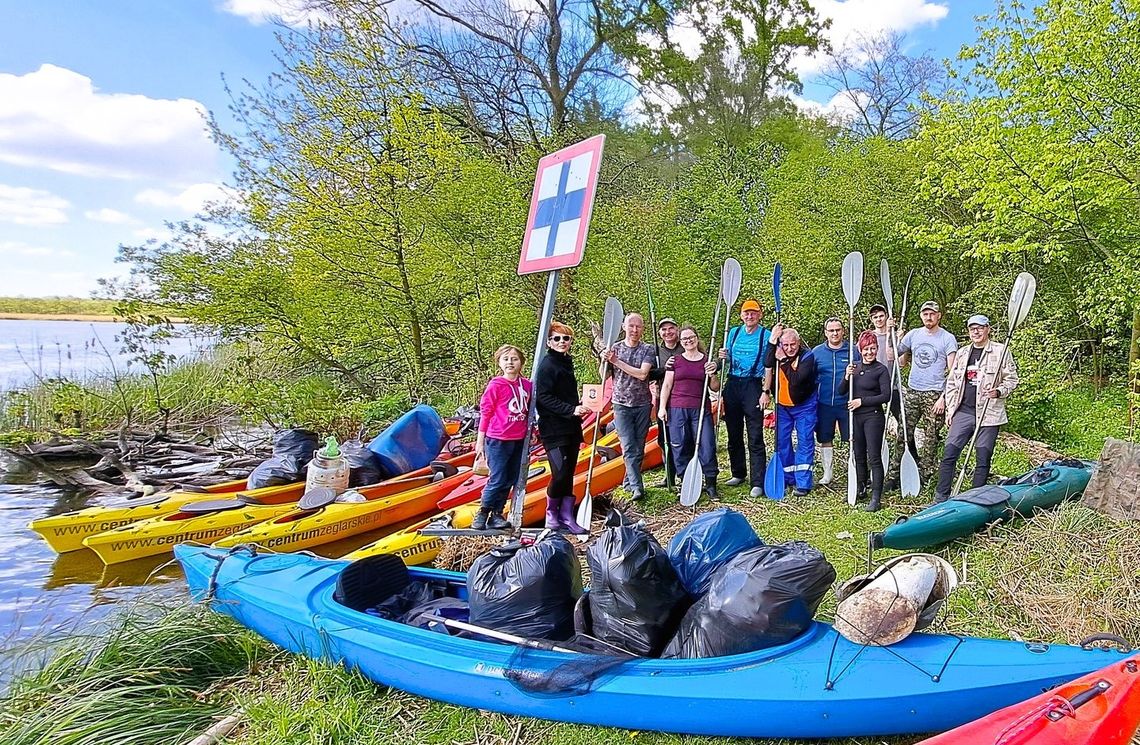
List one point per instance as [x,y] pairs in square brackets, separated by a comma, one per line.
[530,671]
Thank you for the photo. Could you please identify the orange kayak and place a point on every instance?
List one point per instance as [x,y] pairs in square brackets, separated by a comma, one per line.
[1102,708]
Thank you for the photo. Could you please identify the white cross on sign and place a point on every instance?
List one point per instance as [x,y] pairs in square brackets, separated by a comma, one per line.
[560,207]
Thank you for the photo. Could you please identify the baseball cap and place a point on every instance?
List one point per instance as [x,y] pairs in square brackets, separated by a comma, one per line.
[750,305]
[930,305]
[877,308]
[977,320]
[664,321]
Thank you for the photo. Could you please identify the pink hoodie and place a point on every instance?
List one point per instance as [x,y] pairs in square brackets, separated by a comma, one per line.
[503,408]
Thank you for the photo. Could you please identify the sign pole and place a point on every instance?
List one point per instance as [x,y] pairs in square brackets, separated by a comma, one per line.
[531,418]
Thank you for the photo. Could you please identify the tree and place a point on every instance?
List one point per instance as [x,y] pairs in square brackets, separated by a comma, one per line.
[1038,168]
[883,89]
[740,72]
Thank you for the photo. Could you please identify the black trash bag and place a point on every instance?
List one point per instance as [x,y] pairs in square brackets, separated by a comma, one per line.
[527,590]
[300,443]
[292,451]
[707,543]
[762,598]
[636,599]
[276,470]
[363,465]
[416,593]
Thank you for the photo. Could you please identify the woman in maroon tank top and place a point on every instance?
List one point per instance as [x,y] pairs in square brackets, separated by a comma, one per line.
[683,402]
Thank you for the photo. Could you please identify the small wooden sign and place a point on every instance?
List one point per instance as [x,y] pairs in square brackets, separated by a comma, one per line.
[594,397]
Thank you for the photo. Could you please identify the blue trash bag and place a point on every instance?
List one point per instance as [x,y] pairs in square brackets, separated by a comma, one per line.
[706,544]
[413,441]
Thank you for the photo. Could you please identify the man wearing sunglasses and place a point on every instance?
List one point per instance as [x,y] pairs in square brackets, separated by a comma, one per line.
[745,397]
[630,362]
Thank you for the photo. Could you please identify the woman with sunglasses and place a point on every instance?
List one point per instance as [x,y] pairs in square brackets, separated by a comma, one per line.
[797,400]
[870,384]
[680,407]
[560,413]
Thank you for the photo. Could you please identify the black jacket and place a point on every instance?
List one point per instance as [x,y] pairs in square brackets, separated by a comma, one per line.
[556,396]
[872,385]
[799,371]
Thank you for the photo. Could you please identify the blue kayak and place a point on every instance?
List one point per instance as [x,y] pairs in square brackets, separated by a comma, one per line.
[817,685]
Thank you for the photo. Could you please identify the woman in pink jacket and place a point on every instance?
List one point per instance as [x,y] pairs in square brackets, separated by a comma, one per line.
[502,427]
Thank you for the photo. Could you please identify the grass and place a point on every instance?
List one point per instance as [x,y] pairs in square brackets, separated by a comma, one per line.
[1053,578]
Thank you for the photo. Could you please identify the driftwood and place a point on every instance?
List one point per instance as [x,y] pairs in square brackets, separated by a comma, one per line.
[137,462]
[1114,488]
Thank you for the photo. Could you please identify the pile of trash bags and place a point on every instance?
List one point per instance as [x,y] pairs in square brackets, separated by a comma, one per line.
[292,451]
[716,590]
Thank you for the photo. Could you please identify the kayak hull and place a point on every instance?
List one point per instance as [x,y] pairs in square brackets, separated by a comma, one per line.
[817,685]
[960,516]
[1101,708]
[65,532]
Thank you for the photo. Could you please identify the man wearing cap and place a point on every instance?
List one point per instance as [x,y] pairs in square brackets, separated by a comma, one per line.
[831,361]
[980,380]
[931,350]
[746,394]
[670,346]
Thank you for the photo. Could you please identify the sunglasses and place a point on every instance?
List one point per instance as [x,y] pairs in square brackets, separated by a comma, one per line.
[559,337]
[688,338]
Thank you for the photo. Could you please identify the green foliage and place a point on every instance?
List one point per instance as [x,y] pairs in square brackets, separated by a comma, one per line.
[1078,418]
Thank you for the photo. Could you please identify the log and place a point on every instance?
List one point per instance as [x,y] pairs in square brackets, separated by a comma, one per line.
[1114,488]
[886,610]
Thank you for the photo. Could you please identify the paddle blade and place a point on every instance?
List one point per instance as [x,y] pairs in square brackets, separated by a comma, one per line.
[885,281]
[852,481]
[1021,299]
[885,453]
[585,513]
[691,484]
[611,322]
[909,481]
[730,275]
[777,279]
[853,278]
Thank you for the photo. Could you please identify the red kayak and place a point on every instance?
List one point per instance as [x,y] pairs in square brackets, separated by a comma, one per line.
[1102,708]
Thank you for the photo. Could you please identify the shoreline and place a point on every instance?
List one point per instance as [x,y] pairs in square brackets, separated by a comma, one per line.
[89,317]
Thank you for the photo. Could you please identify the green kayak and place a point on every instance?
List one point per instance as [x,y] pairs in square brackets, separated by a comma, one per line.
[1042,488]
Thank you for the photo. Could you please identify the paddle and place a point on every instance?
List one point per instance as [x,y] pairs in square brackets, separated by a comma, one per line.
[774,486]
[657,359]
[910,482]
[694,476]
[852,288]
[1020,301]
[611,325]
[889,297]
[728,293]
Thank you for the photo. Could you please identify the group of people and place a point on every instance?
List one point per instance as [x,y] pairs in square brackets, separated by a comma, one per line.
[815,392]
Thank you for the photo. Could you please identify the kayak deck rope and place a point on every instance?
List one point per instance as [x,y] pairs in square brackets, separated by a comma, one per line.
[255,553]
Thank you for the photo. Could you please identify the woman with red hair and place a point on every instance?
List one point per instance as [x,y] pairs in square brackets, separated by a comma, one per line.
[870,385]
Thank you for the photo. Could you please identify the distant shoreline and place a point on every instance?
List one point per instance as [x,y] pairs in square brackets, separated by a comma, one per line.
[89,317]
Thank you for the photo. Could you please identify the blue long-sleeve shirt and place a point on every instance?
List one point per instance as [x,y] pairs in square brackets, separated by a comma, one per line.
[831,364]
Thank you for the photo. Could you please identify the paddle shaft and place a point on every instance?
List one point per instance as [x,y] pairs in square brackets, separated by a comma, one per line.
[499,635]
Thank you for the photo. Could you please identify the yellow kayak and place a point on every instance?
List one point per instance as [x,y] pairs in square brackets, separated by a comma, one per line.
[416,549]
[205,522]
[66,532]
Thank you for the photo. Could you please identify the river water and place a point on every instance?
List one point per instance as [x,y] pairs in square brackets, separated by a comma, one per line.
[41,594]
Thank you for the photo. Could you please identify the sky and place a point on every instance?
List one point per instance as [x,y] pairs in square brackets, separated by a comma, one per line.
[102,105]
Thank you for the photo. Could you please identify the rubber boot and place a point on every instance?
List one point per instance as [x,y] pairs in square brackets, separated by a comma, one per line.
[828,456]
[566,517]
[479,522]
[873,505]
[495,521]
[553,518]
[710,487]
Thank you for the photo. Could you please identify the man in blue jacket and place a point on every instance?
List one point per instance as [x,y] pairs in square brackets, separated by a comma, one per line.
[831,360]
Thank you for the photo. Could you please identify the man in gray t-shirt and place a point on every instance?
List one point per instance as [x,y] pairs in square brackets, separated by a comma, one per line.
[930,350]
[630,362]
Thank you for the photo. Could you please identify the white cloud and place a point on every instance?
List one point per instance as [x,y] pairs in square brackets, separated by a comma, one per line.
[838,110]
[35,207]
[190,200]
[18,248]
[851,19]
[160,235]
[109,216]
[290,12]
[57,119]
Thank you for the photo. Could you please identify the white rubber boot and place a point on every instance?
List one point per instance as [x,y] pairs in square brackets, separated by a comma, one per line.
[827,453]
